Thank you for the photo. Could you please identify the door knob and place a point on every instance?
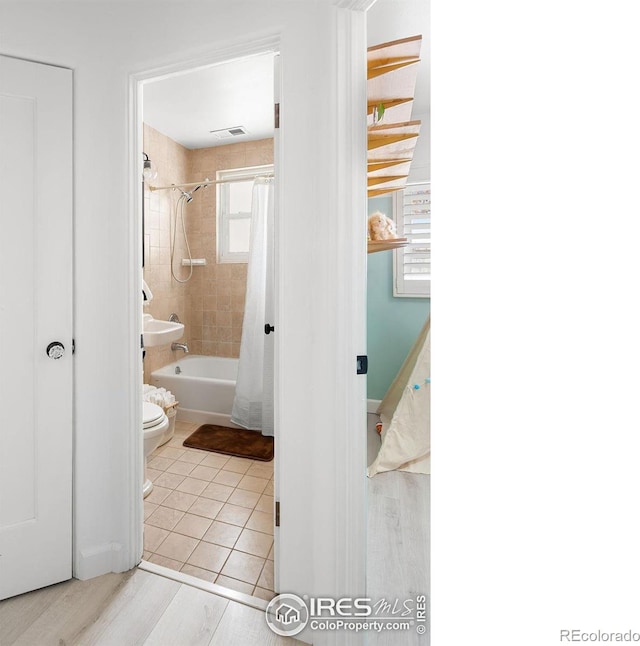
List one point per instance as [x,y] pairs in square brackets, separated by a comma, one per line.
[55,350]
[268,328]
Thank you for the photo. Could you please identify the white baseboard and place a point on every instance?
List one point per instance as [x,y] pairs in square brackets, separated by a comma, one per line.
[372,405]
[98,560]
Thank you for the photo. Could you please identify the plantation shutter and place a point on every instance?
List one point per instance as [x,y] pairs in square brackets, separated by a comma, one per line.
[412,267]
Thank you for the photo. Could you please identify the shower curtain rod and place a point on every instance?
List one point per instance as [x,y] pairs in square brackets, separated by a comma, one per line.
[212,181]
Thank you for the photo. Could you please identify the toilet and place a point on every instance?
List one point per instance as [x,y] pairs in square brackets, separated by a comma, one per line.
[154,425]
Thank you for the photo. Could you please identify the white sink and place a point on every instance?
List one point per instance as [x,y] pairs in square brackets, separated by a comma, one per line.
[155,332]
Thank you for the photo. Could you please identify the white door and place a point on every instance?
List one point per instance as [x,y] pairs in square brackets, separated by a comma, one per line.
[35,314]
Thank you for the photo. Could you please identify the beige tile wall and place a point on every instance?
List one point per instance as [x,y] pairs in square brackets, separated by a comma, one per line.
[218,294]
[211,304]
[172,162]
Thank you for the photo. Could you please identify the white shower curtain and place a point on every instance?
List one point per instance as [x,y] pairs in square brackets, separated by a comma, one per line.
[253,403]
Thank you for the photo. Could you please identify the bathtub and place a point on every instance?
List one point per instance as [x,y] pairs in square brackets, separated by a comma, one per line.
[204,387]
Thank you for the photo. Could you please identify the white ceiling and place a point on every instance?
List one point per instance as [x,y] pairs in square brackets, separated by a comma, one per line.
[186,107]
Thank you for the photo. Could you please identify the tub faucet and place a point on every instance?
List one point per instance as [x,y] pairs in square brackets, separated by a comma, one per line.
[180,346]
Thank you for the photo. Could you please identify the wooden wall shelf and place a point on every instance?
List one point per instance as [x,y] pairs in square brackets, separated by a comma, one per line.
[391,81]
[395,110]
[381,168]
[393,52]
[385,245]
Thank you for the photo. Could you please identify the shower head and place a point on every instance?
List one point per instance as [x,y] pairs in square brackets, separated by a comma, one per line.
[188,196]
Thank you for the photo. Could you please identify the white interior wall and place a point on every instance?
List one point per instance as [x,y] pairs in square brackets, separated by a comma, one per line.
[105,42]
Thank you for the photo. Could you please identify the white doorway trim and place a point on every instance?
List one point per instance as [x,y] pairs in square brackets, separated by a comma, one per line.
[320,258]
[135,466]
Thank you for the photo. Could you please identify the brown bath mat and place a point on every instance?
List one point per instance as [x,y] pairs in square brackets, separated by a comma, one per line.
[231,441]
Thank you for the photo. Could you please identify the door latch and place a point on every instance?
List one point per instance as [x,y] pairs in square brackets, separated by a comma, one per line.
[362,364]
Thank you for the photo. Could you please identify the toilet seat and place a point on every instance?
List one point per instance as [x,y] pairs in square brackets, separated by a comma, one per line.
[152,415]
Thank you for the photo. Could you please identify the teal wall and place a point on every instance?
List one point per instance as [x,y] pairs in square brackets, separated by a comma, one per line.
[393,324]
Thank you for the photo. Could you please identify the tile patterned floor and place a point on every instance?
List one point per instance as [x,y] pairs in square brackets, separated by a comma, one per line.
[211,516]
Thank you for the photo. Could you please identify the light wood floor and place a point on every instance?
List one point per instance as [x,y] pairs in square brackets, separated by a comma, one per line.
[398,536]
[140,607]
[127,609]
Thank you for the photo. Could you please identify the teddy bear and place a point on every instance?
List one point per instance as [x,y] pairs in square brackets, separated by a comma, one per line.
[381,227]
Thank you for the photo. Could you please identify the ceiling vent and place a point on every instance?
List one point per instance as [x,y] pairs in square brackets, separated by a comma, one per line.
[227,133]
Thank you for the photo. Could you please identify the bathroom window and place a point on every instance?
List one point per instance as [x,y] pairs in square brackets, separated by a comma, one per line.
[234,212]
[412,264]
